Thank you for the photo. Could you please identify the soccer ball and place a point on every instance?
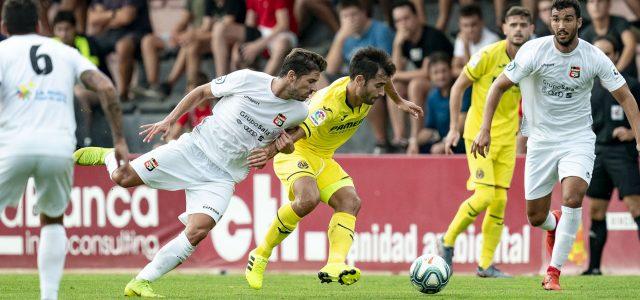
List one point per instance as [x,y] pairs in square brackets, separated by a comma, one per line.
[429,273]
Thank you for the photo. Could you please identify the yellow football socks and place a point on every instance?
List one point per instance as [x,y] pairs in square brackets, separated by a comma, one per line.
[492,227]
[340,233]
[468,211]
[285,222]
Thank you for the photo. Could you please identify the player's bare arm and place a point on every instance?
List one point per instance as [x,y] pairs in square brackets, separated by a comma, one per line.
[404,105]
[630,106]
[258,158]
[190,101]
[455,104]
[99,83]
[483,139]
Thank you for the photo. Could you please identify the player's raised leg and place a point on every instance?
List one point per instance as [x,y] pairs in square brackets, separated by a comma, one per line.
[122,174]
[346,204]
[171,255]
[307,197]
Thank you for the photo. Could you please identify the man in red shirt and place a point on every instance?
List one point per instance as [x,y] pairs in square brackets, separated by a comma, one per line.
[269,25]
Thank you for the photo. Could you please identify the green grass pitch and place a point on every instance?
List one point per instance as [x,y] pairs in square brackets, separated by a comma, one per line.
[278,286]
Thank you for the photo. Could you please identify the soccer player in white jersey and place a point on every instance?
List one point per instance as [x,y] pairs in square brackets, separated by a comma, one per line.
[556,75]
[247,128]
[37,126]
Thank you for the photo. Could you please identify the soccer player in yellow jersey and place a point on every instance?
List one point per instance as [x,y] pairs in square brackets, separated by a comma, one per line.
[490,177]
[312,175]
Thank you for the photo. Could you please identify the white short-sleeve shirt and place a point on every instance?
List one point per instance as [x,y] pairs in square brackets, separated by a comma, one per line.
[37,76]
[248,116]
[556,87]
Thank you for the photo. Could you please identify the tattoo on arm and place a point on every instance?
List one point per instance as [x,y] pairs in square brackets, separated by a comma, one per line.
[99,83]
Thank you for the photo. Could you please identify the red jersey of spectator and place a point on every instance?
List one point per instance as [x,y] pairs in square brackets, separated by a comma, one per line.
[195,116]
[266,12]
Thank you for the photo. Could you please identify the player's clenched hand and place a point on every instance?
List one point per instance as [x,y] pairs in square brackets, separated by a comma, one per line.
[451,141]
[284,143]
[121,152]
[411,108]
[150,130]
[258,158]
[481,143]
[623,134]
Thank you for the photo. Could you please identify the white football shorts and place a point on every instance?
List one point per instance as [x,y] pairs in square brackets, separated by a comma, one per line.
[546,163]
[181,165]
[53,176]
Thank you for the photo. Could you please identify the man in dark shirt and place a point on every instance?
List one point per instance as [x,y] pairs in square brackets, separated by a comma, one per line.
[616,164]
[119,26]
[604,24]
[543,23]
[413,43]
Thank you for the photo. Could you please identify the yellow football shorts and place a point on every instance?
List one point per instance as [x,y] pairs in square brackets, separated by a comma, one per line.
[495,170]
[328,173]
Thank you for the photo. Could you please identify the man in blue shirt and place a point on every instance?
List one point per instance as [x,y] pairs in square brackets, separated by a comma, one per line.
[430,138]
[357,31]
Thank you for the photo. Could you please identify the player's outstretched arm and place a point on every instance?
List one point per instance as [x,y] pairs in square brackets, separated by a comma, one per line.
[404,105]
[630,106]
[99,83]
[259,157]
[455,103]
[191,100]
[483,139]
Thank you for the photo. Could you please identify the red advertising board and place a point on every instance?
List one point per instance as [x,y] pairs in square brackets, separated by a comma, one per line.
[407,203]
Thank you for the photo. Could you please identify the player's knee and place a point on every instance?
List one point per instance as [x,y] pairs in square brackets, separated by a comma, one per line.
[572,200]
[125,46]
[195,234]
[355,204]
[597,212]
[122,177]
[536,218]
[633,204]
[307,200]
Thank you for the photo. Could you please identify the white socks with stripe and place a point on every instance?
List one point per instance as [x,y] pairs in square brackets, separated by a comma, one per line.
[565,235]
[112,164]
[169,257]
[550,223]
[52,250]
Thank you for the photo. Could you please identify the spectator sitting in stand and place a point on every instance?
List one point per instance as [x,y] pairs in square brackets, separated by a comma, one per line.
[413,44]
[473,36]
[119,25]
[356,31]
[618,28]
[543,23]
[430,139]
[64,30]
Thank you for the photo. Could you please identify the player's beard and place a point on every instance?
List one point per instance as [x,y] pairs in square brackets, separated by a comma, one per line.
[570,40]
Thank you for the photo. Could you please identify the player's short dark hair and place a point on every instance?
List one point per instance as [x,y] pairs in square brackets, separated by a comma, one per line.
[471,10]
[562,4]
[439,57]
[302,62]
[518,11]
[405,3]
[342,4]
[20,16]
[65,16]
[616,46]
[368,60]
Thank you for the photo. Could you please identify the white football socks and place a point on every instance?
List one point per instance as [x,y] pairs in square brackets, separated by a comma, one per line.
[549,223]
[169,257]
[52,250]
[111,162]
[565,235]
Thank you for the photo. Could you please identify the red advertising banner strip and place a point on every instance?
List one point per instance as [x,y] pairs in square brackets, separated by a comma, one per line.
[407,203]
